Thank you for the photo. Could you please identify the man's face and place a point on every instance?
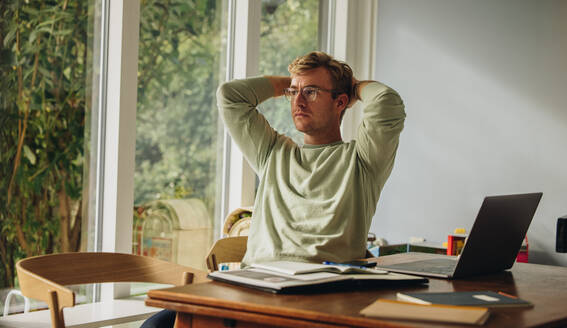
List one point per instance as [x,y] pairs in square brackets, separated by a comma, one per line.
[319,119]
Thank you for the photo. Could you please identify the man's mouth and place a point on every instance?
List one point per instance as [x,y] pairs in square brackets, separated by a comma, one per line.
[300,113]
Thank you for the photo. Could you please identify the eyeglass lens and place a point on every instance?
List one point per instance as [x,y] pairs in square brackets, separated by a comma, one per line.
[309,93]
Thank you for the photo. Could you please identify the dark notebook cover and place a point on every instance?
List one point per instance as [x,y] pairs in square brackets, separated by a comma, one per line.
[469,298]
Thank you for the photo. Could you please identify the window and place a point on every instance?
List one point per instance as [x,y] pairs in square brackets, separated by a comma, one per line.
[288,29]
[177,128]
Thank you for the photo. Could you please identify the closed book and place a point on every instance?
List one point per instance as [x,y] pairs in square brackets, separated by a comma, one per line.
[468,298]
[390,309]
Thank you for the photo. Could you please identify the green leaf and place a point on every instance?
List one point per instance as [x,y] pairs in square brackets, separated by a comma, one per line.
[63,32]
[44,29]
[29,154]
[46,23]
[33,36]
[31,11]
[9,37]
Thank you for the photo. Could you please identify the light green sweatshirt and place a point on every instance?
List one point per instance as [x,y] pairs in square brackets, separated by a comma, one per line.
[314,202]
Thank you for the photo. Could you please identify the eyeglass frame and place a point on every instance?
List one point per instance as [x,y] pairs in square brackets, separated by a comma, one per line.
[334,92]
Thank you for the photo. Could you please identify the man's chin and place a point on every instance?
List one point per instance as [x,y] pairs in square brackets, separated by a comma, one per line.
[300,127]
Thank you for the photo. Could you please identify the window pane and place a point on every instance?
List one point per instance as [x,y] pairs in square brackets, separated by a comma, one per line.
[288,29]
[177,129]
[45,65]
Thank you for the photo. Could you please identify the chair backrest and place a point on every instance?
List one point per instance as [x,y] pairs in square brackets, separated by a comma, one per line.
[232,249]
[44,277]
[225,250]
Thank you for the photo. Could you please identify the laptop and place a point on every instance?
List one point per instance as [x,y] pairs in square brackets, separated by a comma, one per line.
[491,246]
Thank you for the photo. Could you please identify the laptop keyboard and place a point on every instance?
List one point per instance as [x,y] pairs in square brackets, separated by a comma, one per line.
[441,266]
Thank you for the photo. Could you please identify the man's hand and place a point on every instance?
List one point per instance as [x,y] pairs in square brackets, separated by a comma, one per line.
[356,89]
[354,93]
[279,83]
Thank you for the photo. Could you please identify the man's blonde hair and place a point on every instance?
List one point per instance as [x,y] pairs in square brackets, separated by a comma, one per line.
[341,73]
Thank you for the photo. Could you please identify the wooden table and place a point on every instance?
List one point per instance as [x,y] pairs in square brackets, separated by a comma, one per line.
[215,304]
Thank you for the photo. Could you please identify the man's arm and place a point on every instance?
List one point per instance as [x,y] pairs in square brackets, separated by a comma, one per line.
[382,123]
[279,83]
[237,101]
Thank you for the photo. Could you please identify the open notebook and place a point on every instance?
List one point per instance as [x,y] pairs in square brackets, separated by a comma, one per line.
[298,277]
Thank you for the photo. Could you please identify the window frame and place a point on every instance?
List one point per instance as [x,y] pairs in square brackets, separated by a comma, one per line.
[117,136]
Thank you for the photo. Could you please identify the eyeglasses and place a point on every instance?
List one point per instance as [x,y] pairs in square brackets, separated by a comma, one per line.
[309,93]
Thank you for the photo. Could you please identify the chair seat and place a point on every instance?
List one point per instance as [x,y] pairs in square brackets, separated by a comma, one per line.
[85,315]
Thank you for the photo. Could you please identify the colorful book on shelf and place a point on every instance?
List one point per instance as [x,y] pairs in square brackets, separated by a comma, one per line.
[466,298]
[455,244]
[391,309]
[297,277]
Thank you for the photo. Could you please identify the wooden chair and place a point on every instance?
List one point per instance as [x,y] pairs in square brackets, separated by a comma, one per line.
[226,250]
[232,249]
[44,277]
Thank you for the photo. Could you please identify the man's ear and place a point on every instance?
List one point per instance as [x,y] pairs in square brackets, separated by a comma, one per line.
[342,101]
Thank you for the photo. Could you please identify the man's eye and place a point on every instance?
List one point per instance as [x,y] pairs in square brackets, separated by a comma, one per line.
[309,92]
[292,92]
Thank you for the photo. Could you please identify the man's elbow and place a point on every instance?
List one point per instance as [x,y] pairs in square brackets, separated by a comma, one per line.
[222,91]
[227,95]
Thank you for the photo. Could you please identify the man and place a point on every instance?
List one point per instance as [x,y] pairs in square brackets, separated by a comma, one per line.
[315,201]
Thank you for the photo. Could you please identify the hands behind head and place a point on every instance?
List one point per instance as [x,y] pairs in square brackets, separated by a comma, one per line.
[353,96]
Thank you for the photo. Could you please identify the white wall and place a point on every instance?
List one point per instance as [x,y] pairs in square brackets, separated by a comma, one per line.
[485,88]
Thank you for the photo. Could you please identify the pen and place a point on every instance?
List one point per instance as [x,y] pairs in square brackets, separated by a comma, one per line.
[507,295]
[345,264]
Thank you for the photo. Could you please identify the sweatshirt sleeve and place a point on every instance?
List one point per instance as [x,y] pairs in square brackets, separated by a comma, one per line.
[237,101]
[379,132]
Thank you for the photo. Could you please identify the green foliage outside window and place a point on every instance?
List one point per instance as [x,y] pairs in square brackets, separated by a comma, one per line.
[43,56]
[176,120]
[288,31]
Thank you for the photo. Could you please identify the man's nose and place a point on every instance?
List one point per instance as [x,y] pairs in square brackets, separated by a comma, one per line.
[300,99]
